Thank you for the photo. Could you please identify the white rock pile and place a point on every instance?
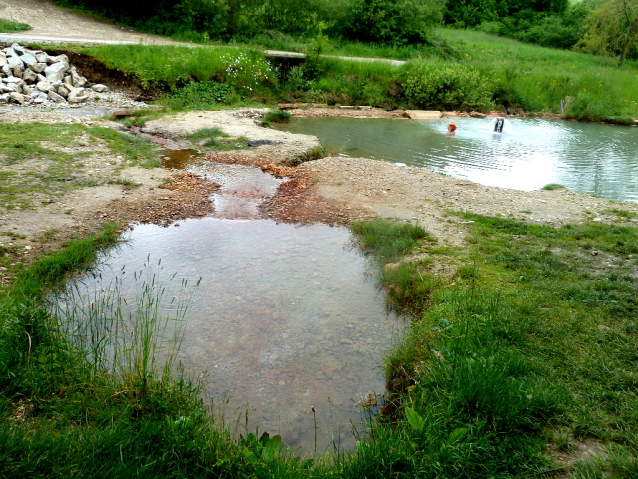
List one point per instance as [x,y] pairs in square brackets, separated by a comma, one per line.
[35,77]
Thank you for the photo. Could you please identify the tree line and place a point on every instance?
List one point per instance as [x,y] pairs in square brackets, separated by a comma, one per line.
[602,27]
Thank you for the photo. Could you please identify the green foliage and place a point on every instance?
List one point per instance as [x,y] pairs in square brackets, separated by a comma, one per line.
[553,186]
[388,241]
[311,155]
[198,96]
[278,116]
[389,22]
[8,26]
[449,88]
[609,28]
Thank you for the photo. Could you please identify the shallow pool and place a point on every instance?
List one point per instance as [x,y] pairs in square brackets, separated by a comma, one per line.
[596,159]
[285,318]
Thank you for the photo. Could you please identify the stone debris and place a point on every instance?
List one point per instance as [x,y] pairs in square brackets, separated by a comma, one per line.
[35,77]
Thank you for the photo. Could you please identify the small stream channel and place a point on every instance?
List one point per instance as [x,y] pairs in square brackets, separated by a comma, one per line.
[286,317]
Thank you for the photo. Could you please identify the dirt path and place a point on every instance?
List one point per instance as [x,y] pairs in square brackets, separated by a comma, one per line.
[55,24]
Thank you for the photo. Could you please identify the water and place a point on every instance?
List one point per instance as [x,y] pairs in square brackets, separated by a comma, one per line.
[284,319]
[596,159]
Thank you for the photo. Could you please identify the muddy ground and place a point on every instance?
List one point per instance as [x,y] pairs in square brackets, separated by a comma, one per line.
[333,190]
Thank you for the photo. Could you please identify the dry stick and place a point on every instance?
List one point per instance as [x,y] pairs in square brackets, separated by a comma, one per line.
[314,414]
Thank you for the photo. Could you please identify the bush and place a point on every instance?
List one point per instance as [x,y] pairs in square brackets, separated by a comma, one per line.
[198,96]
[449,88]
[389,22]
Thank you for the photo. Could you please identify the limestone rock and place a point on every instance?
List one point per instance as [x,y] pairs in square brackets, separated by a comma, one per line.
[4,98]
[28,59]
[3,59]
[42,57]
[44,86]
[63,91]
[55,97]
[19,49]
[41,77]
[16,97]
[29,76]
[56,71]
[78,80]
[79,95]
[14,62]
[38,67]
[7,71]
[17,71]
[99,88]
[68,82]
[11,79]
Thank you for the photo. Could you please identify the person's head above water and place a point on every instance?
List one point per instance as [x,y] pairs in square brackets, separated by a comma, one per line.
[451,128]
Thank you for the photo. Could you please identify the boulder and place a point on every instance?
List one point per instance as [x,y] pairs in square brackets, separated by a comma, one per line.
[4,98]
[41,77]
[11,79]
[42,57]
[56,71]
[16,97]
[10,87]
[68,82]
[44,86]
[28,59]
[38,67]
[29,76]
[17,71]
[63,91]
[7,71]
[55,97]
[78,80]
[99,88]
[422,114]
[3,59]
[79,95]
[17,48]
[14,61]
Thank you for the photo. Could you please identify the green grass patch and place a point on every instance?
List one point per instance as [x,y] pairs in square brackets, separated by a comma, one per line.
[387,241]
[278,116]
[50,159]
[553,186]
[9,26]
[529,347]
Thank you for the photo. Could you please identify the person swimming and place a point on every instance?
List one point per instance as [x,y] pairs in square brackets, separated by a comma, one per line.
[451,129]
[498,126]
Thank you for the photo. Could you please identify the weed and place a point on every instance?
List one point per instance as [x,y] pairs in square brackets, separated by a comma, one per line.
[311,155]
[8,26]
[553,186]
[278,116]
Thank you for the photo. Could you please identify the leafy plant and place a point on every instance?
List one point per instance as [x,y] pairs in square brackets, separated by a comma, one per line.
[449,87]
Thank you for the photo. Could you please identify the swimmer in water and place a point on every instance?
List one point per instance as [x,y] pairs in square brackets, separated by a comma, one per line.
[451,129]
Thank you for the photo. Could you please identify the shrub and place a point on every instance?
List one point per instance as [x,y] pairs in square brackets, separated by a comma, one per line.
[389,22]
[449,87]
[198,95]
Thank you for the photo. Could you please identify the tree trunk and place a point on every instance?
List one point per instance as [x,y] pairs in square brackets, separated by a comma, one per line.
[631,35]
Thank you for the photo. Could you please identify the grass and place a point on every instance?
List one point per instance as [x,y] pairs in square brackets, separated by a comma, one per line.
[216,139]
[47,160]
[533,78]
[530,346]
[9,26]
[553,186]
[532,341]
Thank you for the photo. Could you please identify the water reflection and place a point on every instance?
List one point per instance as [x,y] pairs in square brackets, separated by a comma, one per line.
[596,159]
[284,318]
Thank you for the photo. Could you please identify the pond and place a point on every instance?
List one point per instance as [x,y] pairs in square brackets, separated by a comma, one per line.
[285,318]
[595,159]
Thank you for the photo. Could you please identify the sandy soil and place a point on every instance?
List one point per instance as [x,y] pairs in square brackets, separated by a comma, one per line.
[52,23]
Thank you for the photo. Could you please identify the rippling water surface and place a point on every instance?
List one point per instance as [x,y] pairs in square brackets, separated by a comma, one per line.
[596,159]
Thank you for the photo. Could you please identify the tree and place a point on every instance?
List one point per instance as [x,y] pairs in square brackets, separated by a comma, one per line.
[611,29]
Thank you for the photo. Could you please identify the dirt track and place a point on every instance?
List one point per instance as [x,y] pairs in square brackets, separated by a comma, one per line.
[56,24]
